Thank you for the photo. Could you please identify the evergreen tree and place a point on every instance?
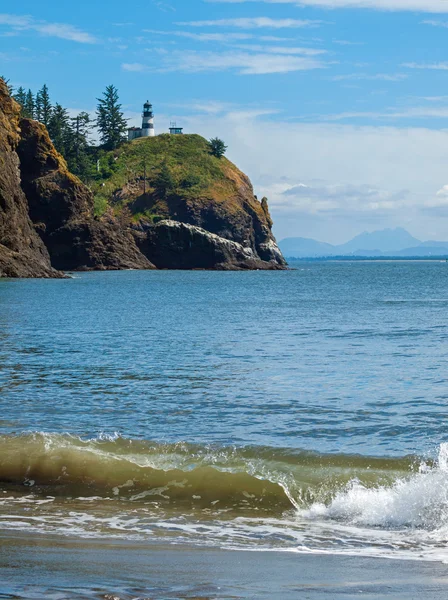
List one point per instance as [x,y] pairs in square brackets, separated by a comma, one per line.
[217,147]
[59,129]
[29,109]
[80,158]
[43,106]
[164,181]
[20,97]
[110,119]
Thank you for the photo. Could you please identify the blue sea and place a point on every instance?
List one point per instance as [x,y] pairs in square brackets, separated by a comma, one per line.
[299,411]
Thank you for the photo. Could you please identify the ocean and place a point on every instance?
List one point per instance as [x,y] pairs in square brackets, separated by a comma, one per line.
[295,415]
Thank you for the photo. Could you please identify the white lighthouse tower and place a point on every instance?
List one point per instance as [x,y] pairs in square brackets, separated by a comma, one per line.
[148,120]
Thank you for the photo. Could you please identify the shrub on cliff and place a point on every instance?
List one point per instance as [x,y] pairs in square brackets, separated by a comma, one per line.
[217,147]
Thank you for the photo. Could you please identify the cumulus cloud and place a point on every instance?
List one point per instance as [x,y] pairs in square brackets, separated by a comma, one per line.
[342,197]
[59,30]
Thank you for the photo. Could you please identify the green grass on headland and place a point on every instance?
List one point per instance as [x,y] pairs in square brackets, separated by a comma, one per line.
[174,164]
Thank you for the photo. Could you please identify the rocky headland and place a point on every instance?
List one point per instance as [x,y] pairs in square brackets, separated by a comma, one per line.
[161,202]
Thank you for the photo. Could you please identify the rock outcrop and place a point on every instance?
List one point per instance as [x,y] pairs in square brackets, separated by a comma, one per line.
[175,245]
[61,208]
[183,182]
[22,252]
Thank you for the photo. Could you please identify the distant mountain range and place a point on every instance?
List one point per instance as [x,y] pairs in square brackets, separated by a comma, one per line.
[386,242]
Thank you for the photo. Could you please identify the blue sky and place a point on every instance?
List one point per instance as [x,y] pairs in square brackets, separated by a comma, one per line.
[336,109]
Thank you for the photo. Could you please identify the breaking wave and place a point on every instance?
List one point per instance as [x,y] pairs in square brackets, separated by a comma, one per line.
[256,498]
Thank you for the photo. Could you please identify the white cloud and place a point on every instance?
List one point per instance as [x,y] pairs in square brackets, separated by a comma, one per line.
[58,30]
[219,37]
[244,63]
[204,37]
[428,6]
[134,67]
[413,112]
[282,50]
[372,77]
[254,23]
[435,23]
[335,198]
[347,43]
[358,177]
[440,66]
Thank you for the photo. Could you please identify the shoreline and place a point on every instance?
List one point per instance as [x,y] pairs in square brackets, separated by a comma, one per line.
[37,566]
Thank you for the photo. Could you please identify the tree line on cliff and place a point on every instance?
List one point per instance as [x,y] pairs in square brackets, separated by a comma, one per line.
[72,135]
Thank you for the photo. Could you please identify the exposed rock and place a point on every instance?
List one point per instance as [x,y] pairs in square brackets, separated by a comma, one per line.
[61,207]
[205,191]
[22,253]
[95,246]
[174,245]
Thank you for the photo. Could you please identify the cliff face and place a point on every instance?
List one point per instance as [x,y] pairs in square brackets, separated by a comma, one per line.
[191,211]
[61,207]
[22,252]
[176,178]
[174,245]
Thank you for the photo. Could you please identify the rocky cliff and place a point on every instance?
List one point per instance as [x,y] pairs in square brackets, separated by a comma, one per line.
[189,210]
[22,252]
[61,208]
[175,178]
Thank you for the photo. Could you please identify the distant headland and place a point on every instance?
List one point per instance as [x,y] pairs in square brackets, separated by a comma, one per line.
[170,201]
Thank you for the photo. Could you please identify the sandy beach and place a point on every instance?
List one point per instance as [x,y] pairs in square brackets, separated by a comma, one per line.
[34,567]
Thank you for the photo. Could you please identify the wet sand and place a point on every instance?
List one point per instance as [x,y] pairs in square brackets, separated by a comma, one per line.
[36,567]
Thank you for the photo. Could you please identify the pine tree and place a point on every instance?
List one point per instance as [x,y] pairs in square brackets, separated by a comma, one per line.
[29,109]
[164,181]
[110,119]
[43,106]
[217,147]
[59,129]
[20,97]
[79,158]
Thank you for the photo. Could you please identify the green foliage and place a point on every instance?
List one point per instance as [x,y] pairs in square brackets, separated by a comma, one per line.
[175,166]
[20,97]
[100,205]
[43,108]
[29,108]
[164,181]
[110,119]
[217,147]
[190,181]
[81,160]
[59,130]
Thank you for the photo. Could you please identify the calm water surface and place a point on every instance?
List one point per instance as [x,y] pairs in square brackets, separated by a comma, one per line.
[333,357]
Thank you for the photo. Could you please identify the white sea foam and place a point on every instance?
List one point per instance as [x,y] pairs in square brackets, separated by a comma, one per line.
[419,502]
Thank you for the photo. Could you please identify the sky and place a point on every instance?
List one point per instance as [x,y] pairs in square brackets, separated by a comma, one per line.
[336,109]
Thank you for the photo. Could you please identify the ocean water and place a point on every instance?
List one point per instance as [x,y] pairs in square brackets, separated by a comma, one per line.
[301,411]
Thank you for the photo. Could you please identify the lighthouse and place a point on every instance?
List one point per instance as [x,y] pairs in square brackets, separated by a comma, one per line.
[147,128]
[148,120]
